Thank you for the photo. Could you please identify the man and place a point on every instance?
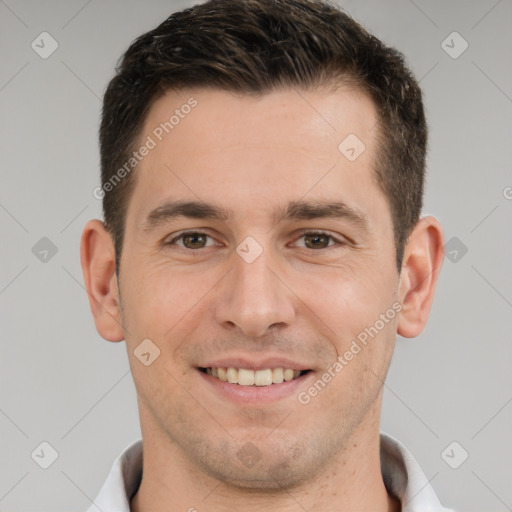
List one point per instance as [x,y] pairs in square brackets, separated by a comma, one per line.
[262,180]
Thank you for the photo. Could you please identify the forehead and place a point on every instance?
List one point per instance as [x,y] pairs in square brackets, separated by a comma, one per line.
[321,119]
[249,152]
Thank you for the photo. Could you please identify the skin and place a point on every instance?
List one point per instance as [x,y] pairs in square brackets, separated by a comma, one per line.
[252,155]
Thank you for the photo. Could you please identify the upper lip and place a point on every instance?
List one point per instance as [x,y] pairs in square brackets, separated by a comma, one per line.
[255,363]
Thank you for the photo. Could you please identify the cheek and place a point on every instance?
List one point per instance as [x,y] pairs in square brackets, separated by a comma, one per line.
[161,301]
[348,300]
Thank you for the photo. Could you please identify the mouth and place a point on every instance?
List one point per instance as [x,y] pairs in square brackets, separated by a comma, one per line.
[257,378]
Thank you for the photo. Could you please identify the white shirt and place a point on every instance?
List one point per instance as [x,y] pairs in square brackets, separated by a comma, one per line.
[402,477]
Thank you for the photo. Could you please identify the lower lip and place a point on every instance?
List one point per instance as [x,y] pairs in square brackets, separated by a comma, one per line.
[256,394]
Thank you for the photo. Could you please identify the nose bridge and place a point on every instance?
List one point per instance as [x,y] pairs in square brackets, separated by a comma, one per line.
[253,298]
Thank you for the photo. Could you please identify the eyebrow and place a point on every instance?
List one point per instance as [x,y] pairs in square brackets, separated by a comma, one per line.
[294,210]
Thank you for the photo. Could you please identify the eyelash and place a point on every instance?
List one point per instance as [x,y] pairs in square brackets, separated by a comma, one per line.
[303,234]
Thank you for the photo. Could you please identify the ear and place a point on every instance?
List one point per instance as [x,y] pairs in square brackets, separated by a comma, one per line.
[423,257]
[97,256]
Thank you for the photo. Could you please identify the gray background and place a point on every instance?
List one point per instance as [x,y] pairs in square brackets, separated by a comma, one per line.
[61,383]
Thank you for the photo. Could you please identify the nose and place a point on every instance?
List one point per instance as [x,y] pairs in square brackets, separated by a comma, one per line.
[254,297]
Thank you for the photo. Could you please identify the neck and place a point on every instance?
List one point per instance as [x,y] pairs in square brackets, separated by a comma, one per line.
[351,481]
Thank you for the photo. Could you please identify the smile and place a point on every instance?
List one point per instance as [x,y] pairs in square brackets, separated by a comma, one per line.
[245,377]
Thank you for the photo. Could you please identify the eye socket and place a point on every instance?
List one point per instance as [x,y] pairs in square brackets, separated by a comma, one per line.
[315,240]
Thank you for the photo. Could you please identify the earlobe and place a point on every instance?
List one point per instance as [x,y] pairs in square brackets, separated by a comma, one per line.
[97,256]
[423,257]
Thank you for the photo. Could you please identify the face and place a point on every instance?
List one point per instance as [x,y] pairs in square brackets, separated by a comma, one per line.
[278,277]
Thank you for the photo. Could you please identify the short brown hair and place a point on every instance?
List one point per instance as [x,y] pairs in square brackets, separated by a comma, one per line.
[253,47]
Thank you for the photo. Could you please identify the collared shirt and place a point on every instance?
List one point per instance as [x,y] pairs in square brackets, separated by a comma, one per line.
[402,477]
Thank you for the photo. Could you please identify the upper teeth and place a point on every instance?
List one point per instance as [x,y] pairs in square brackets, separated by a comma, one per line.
[246,377]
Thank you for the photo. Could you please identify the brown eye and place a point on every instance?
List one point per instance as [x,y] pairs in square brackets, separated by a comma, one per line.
[191,240]
[315,241]
[194,240]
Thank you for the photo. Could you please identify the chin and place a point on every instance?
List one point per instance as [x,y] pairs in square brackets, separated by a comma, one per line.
[272,469]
